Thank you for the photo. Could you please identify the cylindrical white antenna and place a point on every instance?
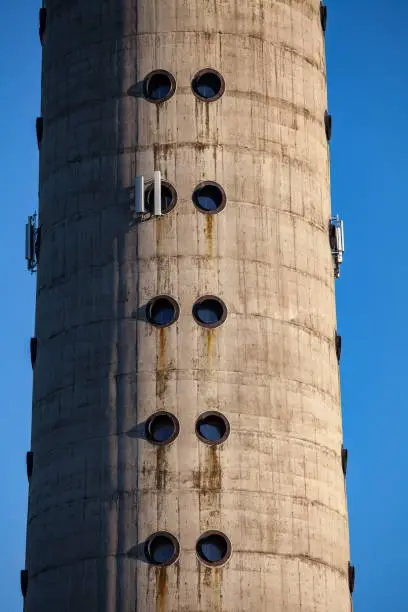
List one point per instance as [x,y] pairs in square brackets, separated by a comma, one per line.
[139,194]
[157,193]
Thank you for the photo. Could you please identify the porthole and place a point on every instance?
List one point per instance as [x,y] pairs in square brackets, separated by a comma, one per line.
[209,197]
[162,311]
[212,428]
[208,85]
[162,428]
[213,548]
[168,198]
[162,548]
[209,311]
[159,86]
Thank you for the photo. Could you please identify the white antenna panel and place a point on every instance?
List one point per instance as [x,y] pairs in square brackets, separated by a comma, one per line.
[29,240]
[157,193]
[139,194]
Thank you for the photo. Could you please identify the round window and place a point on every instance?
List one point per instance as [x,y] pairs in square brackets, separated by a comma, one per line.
[213,548]
[210,311]
[159,86]
[212,428]
[208,85]
[162,428]
[209,197]
[162,311]
[162,548]
[168,198]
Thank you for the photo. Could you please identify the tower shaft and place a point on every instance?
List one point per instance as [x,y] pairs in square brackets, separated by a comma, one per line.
[275,485]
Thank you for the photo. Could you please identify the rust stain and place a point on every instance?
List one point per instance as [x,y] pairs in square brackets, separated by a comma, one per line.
[208,478]
[161,589]
[162,347]
[208,232]
[209,581]
[216,588]
[157,118]
[161,468]
[214,470]
[162,375]
[207,120]
[207,576]
[210,336]
[158,224]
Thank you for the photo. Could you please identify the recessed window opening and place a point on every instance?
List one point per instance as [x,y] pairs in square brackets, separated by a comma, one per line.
[159,86]
[212,428]
[209,311]
[214,548]
[161,548]
[162,428]
[168,198]
[208,85]
[209,197]
[162,311]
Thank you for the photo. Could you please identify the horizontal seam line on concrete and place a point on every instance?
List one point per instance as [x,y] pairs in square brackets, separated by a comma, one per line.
[303,558]
[114,152]
[271,376]
[136,493]
[64,280]
[330,340]
[273,436]
[319,67]
[280,104]
[230,201]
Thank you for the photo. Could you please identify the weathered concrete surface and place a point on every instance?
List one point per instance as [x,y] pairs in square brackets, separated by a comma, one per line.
[275,487]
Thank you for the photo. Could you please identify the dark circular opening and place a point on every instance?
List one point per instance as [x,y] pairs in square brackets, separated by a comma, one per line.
[162,428]
[214,548]
[212,428]
[161,549]
[159,86]
[168,198]
[208,84]
[209,311]
[162,311]
[209,197]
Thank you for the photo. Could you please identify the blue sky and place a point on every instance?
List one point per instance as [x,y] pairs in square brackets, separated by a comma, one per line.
[367,56]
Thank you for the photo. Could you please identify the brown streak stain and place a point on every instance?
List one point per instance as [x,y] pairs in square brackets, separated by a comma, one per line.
[156,149]
[209,478]
[161,468]
[159,234]
[162,375]
[207,576]
[199,566]
[214,471]
[209,234]
[207,120]
[162,347]
[216,588]
[161,589]
[210,336]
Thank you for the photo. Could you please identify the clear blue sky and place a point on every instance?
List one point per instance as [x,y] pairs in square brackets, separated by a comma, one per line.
[367,54]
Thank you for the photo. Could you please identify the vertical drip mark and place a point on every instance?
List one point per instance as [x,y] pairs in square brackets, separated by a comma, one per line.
[161,468]
[216,589]
[211,583]
[157,121]
[208,232]
[162,347]
[161,589]
[210,337]
[214,471]
[161,374]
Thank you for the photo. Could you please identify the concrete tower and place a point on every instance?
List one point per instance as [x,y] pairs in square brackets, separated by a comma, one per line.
[186,434]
